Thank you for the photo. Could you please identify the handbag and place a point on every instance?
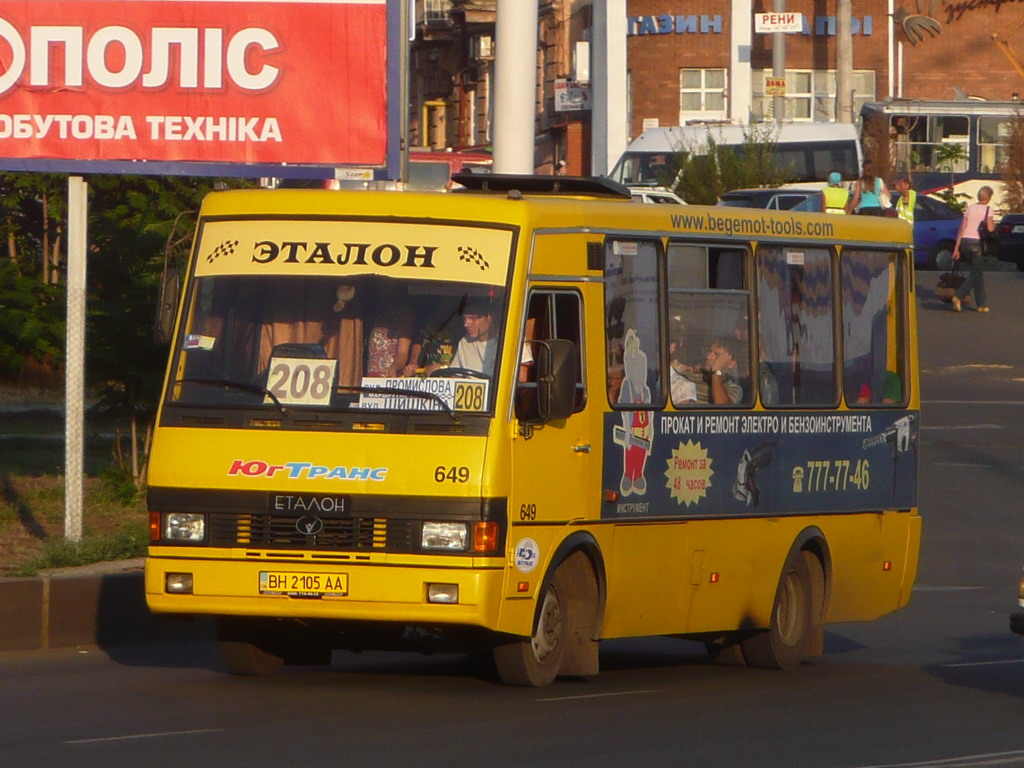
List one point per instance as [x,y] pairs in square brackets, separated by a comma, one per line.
[884,201]
[985,236]
[949,283]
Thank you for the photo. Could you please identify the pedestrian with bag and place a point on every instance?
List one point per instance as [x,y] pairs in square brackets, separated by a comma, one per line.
[976,225]
[835,196]
[870,195]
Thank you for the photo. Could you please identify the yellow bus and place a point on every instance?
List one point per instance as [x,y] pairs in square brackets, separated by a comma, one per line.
[531,416]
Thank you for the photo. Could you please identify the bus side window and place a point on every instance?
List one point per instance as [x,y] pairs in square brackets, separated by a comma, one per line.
[632,323]
[709,339]
[549,315]
[795,320]
[873,332]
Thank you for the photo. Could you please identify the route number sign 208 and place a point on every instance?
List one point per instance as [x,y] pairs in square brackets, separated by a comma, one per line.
[301,381]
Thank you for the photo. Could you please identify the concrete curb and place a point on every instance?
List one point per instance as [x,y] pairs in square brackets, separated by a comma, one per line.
[102,604]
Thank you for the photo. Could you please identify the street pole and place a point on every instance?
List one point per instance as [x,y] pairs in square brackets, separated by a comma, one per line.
[74,366]
[844,62]
[779,63]
[515,85]
[609,116]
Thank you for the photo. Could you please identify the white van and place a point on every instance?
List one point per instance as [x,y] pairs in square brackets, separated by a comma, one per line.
[810,150]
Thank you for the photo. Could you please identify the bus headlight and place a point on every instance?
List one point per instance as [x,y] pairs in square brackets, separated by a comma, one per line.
[448,537]
[184,526]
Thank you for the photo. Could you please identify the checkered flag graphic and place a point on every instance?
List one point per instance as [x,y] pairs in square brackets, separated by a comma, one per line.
[225,248]
[473,256]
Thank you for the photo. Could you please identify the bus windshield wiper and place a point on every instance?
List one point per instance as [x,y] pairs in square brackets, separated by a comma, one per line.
[257,388]
[402,391]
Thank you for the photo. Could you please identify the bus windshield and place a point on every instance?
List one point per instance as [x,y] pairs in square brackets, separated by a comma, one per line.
[320,330]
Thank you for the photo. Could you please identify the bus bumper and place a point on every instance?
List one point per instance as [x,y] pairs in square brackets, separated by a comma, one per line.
[372,592]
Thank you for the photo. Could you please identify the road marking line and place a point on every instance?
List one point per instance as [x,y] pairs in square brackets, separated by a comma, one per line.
[958,464]
[971,402]
[989,758]
[142,736]
[983,663]
[962,426]
[597,695]
[944,588]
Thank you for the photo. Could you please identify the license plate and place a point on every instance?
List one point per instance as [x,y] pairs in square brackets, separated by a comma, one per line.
[308,585]
[1018,228]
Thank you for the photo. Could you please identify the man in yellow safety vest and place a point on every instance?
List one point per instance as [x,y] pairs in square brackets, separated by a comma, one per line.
[908,199]
[835,195]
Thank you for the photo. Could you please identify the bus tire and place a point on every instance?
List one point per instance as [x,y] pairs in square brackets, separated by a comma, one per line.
[241,653]
[536,661]
[785,643]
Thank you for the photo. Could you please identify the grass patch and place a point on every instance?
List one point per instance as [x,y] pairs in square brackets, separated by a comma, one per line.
[114,518]
[114,523]
[120,545]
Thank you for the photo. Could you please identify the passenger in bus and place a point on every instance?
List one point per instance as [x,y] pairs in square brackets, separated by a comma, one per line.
[892,390]
[868,192]
[682,378]
[389,338]
[722,370]
[835,196]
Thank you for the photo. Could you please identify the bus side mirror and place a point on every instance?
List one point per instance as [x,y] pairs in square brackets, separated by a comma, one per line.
[167,306]
[556,379]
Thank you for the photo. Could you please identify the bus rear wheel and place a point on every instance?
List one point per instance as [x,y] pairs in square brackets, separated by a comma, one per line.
[536,661]
[786,641]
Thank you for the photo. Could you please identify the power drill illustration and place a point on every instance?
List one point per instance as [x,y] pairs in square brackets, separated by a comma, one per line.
[745,488]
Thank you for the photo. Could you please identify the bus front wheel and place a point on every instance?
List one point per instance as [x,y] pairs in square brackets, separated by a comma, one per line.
[786,641]
[535,661]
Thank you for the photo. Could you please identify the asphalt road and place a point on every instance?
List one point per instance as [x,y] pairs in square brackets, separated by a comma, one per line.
[940,683]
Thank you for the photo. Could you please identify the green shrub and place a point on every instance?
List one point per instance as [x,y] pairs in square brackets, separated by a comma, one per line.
[126,543]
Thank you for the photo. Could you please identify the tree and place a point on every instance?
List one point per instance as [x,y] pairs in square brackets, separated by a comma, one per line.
[877,146]
[948,157]
[709,170]
[130,220]
[1013,167]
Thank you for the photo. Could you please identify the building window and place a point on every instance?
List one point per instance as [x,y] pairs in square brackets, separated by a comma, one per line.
[811,94]
[702,94]
[436,11]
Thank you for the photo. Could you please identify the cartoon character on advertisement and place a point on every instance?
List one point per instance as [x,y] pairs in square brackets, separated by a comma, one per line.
[637,431]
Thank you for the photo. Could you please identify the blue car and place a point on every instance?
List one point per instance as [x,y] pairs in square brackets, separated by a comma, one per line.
[935,228]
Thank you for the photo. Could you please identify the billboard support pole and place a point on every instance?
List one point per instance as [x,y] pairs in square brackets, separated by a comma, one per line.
[74,374]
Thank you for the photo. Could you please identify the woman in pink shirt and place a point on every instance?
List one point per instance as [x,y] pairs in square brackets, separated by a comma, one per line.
[968,249]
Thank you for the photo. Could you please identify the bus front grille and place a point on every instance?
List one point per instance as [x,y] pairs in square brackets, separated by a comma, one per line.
[289,531]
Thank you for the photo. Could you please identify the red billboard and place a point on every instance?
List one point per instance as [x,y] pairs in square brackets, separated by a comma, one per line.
[195,81]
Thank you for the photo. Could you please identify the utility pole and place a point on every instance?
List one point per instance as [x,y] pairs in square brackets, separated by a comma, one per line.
[515,85]
[779,63]
[844,62]
[608,55]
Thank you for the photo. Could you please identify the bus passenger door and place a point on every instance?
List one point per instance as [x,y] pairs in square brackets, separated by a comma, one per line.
[556,465]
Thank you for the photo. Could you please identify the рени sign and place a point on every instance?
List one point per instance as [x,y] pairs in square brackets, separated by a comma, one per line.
[778,22]
[262,81]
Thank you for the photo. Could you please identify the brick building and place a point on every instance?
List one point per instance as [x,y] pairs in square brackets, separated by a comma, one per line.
[700,60]
[686,59]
